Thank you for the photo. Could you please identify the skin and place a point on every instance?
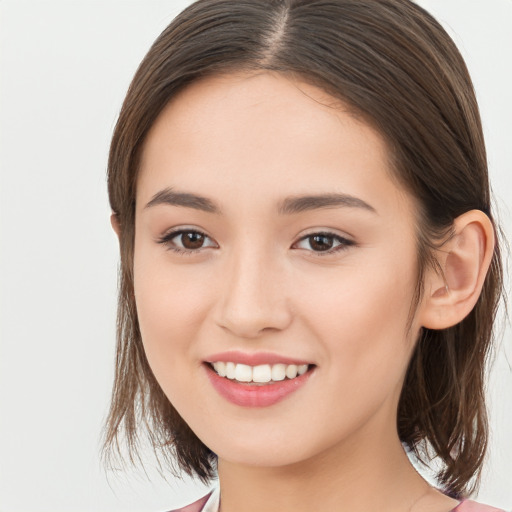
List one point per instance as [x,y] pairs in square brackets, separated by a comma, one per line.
[246,142]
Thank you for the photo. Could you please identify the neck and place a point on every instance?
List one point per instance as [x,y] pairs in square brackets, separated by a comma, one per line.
[368,472]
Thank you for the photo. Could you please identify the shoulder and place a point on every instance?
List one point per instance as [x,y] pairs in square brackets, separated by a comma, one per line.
[473,506]
[197,506]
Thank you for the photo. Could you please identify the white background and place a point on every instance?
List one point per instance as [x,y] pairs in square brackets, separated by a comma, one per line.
[65,67]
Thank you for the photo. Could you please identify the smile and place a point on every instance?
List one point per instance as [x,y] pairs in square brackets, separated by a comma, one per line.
[261,374]
[258,385]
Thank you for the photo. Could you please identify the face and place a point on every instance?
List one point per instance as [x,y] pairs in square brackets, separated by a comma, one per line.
[272,241]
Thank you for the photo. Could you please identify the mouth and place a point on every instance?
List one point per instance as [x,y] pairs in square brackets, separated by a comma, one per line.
[259,375]
[261,385]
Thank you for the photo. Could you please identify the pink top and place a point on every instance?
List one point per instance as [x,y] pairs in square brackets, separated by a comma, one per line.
[197,506]
[207,505]
[473,506]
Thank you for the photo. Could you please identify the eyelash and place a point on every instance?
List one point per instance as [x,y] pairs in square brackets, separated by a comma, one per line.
[166,240]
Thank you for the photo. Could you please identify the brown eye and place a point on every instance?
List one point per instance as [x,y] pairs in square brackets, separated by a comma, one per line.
[186,241]
[321,242]
[192,240]
[326,243]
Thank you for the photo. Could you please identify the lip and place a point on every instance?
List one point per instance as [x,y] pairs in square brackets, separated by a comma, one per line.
[254,359]
[251,395]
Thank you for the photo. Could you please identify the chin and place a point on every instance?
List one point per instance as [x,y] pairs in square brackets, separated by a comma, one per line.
[266,457]
[259,450]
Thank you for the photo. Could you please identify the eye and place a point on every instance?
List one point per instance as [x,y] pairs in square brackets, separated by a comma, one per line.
[324,243]
[186,241]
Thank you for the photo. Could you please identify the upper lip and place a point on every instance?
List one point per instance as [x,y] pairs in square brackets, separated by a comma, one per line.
[254,358]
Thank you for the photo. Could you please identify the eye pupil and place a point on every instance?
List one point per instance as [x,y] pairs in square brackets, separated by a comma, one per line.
[321,242]
[192,240]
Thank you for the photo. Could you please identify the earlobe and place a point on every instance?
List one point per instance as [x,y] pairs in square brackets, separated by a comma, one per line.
[464,259]
[116,226]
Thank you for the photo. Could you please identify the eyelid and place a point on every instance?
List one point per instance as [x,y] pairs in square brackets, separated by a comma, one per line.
[166,240]
[344,242]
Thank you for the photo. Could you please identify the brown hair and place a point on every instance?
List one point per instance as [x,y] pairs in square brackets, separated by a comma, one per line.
[396,67]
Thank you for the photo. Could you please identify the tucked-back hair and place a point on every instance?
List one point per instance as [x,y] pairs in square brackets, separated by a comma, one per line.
[398,70]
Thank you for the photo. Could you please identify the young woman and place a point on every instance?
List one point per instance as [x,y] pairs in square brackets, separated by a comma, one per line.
[309,263]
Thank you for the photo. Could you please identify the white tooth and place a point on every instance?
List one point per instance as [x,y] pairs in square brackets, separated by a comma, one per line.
[230,370]
[243,373]
[220,368]
[278,372]
[302,369]
[261,373]
[291,371]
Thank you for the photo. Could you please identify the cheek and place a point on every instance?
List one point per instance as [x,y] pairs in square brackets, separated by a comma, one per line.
[362,316]
[361,319]
[171,304]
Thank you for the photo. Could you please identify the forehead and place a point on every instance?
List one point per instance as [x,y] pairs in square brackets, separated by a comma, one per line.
[265,133]
[255,105]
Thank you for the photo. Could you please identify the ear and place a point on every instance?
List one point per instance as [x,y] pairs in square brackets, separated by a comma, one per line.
[116,226]
[464,259]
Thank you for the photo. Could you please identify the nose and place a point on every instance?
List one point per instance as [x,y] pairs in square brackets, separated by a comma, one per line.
[253,297]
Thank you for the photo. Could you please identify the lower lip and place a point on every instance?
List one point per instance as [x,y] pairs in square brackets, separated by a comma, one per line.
[250,395]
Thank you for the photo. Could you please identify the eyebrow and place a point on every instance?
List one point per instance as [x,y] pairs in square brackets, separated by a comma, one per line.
[289,206]
[298,204]
[173,198]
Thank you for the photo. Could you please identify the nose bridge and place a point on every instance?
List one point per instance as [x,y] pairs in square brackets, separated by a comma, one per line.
[254,296]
